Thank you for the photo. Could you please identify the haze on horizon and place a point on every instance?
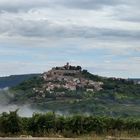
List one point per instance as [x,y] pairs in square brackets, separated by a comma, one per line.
[102,36]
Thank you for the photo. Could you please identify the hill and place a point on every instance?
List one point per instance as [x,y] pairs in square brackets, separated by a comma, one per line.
[70,89]
[14,80]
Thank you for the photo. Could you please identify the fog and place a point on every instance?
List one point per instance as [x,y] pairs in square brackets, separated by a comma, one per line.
[23,110]
[5,106]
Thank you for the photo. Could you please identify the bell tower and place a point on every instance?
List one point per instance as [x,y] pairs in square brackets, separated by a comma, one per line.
[67,65]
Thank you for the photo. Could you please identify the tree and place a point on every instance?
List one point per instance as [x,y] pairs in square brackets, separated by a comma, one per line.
[10,123]
[79,68]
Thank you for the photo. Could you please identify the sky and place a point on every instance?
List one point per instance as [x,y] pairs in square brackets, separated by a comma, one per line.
[102,36]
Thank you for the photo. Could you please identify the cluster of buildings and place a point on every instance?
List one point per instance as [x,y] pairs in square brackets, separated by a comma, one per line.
[68,78]
[73,84]
[61,72]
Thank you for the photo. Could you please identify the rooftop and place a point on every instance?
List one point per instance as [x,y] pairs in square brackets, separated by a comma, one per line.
[68,67]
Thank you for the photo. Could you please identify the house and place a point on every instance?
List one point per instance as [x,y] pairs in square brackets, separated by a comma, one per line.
[89,89]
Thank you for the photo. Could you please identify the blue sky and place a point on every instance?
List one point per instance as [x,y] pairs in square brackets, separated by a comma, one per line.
[102,36]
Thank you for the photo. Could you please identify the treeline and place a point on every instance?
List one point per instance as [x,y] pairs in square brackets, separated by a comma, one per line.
[43,124]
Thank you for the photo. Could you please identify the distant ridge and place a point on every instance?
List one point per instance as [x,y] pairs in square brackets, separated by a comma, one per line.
[136,80]
[14,80]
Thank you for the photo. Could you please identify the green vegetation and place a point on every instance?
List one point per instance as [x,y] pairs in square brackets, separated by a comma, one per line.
[118,103]
[90,76]
[29,84]
[14,80]
[68,126]
[118,97]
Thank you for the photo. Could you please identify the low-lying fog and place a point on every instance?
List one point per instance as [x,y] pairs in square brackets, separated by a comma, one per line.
[24,110]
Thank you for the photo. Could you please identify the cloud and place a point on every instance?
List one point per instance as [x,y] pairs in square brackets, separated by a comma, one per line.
[89,4]
[60,23]
[128,13]
[68,30]
[22,5]
[51,29]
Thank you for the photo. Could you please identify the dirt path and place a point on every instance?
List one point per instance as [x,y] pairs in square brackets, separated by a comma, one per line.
[117,138]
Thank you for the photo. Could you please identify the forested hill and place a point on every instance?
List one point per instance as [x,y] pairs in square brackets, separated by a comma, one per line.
[70,89]
[14,80]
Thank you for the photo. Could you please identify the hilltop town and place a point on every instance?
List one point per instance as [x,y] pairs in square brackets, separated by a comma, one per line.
[71,89]
[67,78]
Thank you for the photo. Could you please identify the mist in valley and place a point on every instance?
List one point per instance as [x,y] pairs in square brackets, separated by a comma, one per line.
[5,105]
[25,110]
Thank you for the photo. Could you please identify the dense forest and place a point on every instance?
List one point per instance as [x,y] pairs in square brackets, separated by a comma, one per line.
[67,126]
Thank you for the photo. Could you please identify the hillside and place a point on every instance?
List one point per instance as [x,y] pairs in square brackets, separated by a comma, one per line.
[14,80]
[70,89]
[136,80]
